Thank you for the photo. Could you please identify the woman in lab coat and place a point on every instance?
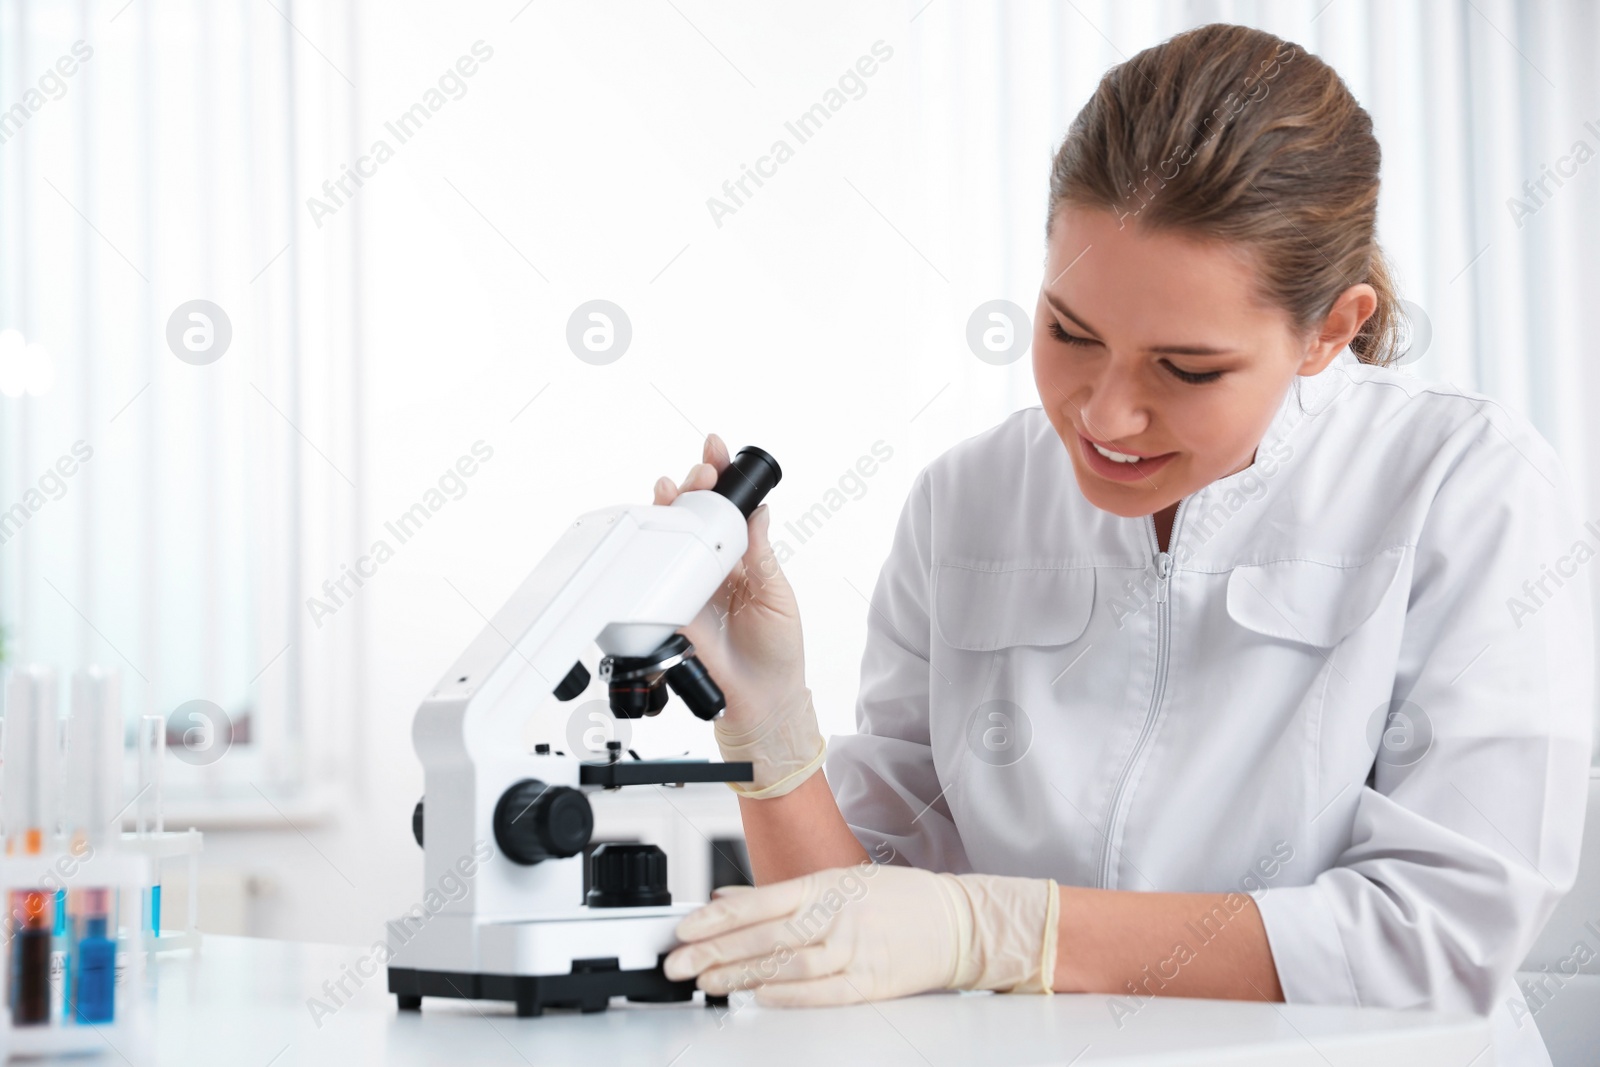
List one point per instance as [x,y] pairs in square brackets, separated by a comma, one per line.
[1241,666]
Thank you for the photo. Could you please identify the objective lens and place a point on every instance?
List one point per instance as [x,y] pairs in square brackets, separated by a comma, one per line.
[690,680]
[629,701]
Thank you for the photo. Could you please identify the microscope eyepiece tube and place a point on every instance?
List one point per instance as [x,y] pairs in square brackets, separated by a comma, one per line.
[748,478]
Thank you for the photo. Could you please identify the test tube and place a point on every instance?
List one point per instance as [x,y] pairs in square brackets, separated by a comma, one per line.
[92,819]
[30,957]
[60,948]
[58,922]
[94,751]
[94,958]
[152,756]
[32,745]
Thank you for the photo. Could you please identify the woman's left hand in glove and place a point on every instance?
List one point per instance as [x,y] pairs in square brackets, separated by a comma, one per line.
[869,932]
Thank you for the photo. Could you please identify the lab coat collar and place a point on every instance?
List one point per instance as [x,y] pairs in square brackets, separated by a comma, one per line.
[1307,397]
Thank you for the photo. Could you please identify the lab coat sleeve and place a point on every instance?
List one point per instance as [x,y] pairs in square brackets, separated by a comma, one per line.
[883,776]
[1456,860]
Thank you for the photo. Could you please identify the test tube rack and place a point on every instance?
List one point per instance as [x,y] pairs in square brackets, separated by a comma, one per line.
[151,838]
[81,891]
[161,848]
[127,874]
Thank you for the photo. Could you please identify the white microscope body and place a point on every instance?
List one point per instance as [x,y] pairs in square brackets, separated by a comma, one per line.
[502,829]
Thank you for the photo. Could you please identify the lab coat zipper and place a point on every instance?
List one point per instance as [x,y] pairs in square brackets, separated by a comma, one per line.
[1163,561]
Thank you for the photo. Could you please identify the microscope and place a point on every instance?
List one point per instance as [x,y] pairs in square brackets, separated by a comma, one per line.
[503,831]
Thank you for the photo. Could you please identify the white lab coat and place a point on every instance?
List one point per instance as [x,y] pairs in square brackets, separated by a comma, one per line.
[1216,730]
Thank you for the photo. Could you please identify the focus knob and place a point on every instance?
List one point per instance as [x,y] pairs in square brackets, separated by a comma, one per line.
[628,876]
[534,821]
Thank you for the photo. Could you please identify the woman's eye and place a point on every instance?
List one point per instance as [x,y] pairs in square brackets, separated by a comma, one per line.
[1178,372]
[1067,338]
[1191,376]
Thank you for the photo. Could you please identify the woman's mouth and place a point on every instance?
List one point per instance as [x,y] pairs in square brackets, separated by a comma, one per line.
[1121,466]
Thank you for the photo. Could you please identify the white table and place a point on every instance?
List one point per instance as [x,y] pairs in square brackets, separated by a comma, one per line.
[244,1002]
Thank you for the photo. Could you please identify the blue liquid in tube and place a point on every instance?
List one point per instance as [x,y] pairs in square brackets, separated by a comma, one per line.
[96,975]
[60,957]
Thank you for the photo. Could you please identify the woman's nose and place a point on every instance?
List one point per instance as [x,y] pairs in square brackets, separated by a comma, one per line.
[1112,407]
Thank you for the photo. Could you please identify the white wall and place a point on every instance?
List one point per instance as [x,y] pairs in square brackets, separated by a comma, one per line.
[825,314]
[584,151]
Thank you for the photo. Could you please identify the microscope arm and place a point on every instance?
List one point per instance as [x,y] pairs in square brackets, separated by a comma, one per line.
[503,830]
[624,577]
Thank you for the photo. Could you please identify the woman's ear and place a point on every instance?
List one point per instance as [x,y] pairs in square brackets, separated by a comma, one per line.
[1350,310]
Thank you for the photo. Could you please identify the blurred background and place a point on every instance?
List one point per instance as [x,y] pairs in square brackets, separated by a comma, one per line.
[322,319]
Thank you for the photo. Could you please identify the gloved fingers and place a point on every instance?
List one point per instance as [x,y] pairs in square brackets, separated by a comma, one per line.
[763,944]
[760,559]
[700,476]
[715,452]
[784,965]
[729,890]
[713,456]
[830,990]
[735,910]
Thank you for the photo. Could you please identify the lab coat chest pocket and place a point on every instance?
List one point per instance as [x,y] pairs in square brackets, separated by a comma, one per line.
[1309,602]
[982,610]
[1002,635]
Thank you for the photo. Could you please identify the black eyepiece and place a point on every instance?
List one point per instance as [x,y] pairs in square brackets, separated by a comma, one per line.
[748,478]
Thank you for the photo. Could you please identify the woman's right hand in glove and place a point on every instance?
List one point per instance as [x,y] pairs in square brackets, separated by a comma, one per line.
[748,636]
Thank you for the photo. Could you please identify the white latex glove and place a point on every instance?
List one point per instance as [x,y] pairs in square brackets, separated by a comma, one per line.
[869,932]
[749,638]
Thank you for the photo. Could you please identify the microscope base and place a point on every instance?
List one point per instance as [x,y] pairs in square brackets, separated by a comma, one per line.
[589,987]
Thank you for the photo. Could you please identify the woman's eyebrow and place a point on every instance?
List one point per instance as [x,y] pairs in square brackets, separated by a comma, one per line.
[1169,350]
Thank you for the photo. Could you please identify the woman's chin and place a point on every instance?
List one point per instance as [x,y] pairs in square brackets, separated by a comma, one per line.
[1131,501]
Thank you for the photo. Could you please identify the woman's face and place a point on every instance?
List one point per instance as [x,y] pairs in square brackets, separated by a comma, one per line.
[1154,345]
